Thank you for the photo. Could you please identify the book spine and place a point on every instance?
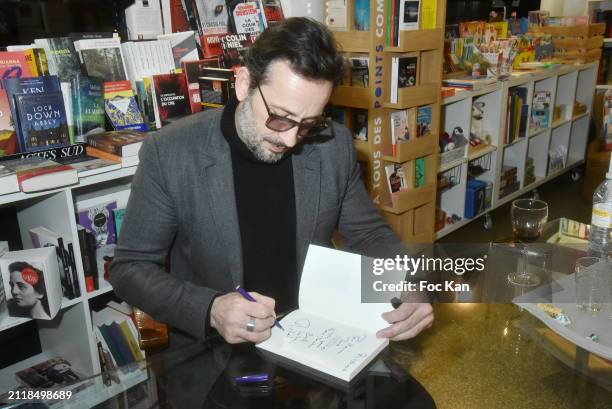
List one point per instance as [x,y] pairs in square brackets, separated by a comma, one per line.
[22,177]
[106,145]
[110,341]
[93,262]
[91,151]
[121,343]
[85,258]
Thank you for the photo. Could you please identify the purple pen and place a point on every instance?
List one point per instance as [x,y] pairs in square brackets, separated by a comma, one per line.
[247,296]
[262,377]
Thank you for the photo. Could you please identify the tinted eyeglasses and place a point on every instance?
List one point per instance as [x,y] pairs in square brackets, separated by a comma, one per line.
[306,127]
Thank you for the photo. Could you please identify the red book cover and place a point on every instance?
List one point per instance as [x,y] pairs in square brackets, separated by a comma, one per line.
[178,17]
[13,64]
[171,96]
[211,44]
[25,175]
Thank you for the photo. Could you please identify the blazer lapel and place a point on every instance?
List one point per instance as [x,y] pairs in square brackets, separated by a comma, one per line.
[307,182]
[219,180]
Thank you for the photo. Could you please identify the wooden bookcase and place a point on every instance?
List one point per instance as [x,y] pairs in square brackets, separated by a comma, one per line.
[410,213]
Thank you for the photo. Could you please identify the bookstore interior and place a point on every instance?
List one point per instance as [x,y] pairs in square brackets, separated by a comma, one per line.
[479,129]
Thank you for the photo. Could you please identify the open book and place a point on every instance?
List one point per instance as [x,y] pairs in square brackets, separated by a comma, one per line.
[332,331]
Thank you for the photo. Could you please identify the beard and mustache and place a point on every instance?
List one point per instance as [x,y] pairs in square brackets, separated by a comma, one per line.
[251,137]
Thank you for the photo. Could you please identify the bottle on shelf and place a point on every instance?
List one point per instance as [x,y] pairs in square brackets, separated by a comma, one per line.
[600,236]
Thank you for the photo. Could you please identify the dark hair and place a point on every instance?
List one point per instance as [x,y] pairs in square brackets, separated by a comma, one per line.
[308,46]
[40,284]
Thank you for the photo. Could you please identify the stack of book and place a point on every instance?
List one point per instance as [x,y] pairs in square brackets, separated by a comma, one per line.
[508,182]
[116,146]
[33,174]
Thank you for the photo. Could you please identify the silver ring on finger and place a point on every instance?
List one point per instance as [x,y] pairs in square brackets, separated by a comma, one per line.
[250,326]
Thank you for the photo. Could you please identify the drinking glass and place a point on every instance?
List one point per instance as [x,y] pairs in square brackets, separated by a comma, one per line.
[528,217]
[591,275]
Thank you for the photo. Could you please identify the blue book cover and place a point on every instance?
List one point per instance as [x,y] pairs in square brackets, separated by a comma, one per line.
[423,121]
[121,343]
[105,330]
[27,85]
[362,15]
[42,120]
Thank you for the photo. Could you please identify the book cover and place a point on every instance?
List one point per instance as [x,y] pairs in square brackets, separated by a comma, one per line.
[396,177]
[429,13]
[423,121]
[409,14]
[33,281]
[213,16]
[407,74]
[360,125]
[53,373]
[336,15]
[178,18]
[234,48]
[540,110]
[211,44]
[359,71]
[120,143]
[27,85]
[246,17]
[403,125]
[42,120]
[193,70]
[147,102]
[273,12]
[118,219]
[61,57]
[98,219]
[121,107]
[419,172]
[214,92]
[184,47]
[106,63]
[66,89]
[88,106]
[361,14]
[13,64]
[171,96]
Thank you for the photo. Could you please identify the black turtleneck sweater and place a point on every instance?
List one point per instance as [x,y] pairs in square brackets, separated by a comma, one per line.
[265,201]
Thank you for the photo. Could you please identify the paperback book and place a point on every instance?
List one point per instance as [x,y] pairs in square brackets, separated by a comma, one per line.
[423,121]
[27,85]
[102,58]
[12,65]
[33,279]
[404,73]
[246,17]
[171,97]
[88,106]
[360,125]
[36,173]
[98,219]
[54,373]
[184,47]
[193,70]
[42,120]
[61,56]
[213,16]
[234,48]
[121,107]
[214,91]
[8,181]
[273,12]
[540,110]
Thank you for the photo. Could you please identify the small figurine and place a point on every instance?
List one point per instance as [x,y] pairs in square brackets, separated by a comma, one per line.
[477,134]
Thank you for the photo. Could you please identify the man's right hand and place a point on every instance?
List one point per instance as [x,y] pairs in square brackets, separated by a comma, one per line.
[230,313]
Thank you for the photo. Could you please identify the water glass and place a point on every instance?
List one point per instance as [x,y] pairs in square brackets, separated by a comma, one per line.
[591,283]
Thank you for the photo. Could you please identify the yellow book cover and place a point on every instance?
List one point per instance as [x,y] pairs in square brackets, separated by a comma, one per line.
[131,341]
[501,27]
[31,61]
[429,12]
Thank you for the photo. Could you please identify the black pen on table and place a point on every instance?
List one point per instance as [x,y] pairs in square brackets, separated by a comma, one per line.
[248,296]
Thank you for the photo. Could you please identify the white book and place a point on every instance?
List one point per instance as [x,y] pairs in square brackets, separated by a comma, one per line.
[409,15]
[35,174]
[166,16]
[336,15]
[332,332]
[143,20]
[66,89]
[32,280]
[92,51]
[394,68]
[8,181]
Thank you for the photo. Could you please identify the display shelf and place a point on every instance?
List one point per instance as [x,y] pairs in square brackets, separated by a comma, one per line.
[579,116]
[451,165]
[353,97]
[354,41]
[417,40]
[559,147]
[481,152]
[409,97]
[579,137]
[559,123]
[535,133]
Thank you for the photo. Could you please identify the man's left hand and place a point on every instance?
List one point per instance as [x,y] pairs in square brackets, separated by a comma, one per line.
[407,321]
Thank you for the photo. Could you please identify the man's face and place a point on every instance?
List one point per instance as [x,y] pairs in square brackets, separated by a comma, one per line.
[287,94]
[24,293]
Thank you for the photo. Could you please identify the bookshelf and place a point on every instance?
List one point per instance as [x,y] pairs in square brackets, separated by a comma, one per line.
[410,213]
[554,149]
[70,334]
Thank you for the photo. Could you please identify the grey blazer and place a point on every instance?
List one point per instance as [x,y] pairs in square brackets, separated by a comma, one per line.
[182,203]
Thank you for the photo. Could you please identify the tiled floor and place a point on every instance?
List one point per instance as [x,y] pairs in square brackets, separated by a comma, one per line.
[564,198]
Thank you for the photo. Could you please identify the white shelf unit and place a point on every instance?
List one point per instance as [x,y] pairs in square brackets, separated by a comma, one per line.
[69,334]
[566,83]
